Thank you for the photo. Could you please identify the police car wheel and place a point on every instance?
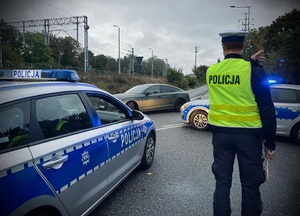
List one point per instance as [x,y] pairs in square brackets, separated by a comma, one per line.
[149,151]
[178,105]
[199,121]
[296,134]
[132,105]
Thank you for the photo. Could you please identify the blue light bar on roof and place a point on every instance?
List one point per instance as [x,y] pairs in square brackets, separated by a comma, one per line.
[61,75]
[67,75]
[271,81]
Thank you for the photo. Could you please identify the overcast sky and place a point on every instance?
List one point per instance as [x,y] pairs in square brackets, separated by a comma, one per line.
[172,28]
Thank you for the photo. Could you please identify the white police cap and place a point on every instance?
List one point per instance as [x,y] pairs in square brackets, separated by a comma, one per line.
[233,36]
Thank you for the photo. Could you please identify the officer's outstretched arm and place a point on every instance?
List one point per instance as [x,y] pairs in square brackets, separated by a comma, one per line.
[258,56]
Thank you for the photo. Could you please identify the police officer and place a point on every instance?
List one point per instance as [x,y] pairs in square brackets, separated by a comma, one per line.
[242,120]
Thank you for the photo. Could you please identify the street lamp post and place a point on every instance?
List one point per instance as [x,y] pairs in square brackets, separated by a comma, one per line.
[196,51]
[152,63]
[165,66]
[119,47]
[132,60]
[247,24]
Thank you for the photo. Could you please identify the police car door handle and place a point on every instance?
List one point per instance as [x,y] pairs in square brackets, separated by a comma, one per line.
[113,138]
[56,162]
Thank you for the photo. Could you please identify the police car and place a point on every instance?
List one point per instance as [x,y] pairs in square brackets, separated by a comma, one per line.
[286,99]
[65,145]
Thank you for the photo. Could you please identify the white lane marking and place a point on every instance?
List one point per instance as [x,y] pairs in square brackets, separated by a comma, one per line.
[165,127]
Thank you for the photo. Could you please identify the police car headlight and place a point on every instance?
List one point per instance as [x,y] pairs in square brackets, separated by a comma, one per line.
[184,106]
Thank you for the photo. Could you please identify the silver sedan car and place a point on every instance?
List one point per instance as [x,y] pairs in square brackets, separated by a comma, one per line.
[150,97]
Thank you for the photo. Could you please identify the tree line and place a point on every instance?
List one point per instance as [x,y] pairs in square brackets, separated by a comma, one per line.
[280,40]
[63,52]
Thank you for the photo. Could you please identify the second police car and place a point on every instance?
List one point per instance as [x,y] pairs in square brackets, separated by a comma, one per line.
[286,99]
[65,145]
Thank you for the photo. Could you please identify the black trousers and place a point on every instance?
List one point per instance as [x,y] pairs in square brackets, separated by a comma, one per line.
[248,149]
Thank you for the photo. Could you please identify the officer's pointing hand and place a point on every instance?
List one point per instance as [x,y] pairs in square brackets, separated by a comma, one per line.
[259,55]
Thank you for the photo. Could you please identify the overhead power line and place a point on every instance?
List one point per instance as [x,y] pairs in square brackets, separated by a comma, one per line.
[54,7]
[46,23]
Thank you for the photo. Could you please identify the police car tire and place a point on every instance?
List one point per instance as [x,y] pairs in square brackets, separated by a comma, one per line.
[296,134]
[149,151]
[195,118]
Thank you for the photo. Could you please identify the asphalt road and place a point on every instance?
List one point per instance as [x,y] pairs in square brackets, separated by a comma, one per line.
[180,181]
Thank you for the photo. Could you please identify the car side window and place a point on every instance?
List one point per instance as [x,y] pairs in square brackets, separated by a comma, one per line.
[164,89]
[284,95]
[106,110]
[59,115]
[14,125]
[153,90]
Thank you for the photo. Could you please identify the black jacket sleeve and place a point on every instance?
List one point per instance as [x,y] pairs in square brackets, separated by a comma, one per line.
[261,90]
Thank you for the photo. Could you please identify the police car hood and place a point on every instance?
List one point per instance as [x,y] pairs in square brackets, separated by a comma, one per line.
[200,102]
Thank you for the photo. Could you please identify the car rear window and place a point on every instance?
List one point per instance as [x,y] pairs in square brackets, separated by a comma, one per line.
[280,95]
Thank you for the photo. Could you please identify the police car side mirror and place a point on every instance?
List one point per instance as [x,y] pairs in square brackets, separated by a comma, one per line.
[137,115]
[101,107]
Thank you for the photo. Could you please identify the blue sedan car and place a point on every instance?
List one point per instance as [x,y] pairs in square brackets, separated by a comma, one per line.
[286,99]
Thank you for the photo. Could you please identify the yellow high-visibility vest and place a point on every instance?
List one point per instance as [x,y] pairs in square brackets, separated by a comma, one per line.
[232,102]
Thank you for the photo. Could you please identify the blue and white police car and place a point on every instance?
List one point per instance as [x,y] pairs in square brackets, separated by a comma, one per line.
[65,145]
[286,99]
